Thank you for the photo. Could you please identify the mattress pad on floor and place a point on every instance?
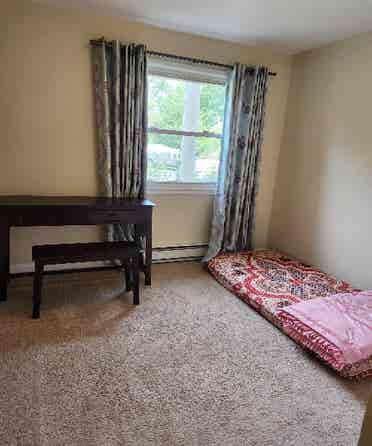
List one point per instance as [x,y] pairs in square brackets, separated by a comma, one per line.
[270,281]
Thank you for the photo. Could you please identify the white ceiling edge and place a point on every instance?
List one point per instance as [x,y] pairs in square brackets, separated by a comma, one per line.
[277,47]
[68,5]
[274,45]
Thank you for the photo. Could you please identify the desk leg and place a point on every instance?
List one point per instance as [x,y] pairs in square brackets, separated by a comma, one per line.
[148,252]
[4,260]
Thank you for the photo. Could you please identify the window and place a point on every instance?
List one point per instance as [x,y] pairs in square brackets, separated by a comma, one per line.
[185,118]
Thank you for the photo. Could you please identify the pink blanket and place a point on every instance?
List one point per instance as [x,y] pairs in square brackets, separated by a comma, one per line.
[342,319]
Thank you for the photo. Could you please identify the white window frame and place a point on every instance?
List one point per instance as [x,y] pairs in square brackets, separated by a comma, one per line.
[175,69]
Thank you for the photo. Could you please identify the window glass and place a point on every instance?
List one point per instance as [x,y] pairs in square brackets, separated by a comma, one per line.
[185,120]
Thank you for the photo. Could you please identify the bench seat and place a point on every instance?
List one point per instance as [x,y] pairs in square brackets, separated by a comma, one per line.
[127,252]
[83,252]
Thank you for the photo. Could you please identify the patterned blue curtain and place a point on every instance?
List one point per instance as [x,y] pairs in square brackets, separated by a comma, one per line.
[121,111]
[234,206]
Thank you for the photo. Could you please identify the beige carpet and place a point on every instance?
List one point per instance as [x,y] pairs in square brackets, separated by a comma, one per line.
[192,365]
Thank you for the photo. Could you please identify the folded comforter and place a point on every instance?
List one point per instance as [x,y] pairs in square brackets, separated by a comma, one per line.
[338,328]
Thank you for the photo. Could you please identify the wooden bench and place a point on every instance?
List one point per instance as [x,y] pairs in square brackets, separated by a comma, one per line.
[127,252]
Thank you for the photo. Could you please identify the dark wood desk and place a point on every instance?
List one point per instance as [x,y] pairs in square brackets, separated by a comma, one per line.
[62,211]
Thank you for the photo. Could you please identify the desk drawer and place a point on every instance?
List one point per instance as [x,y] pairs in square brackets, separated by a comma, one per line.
[116,216]
[78,216]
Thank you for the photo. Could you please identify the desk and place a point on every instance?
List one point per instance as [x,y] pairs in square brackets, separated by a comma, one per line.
[62,211]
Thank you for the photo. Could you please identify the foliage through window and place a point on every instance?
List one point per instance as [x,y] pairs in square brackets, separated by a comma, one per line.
[185,130]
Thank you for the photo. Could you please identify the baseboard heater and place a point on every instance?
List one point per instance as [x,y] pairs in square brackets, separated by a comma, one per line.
[178,253]
[164,254]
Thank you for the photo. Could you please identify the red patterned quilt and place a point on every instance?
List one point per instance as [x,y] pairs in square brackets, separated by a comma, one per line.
[269,281]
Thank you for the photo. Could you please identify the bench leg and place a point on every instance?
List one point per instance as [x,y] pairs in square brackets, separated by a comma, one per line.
[135,272]
[38,284]
[4,261]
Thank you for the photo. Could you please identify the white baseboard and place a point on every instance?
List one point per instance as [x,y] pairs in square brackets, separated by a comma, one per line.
[178,253]
[160,255]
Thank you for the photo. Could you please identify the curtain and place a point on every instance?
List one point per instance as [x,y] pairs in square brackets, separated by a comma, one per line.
[120,94]
[234,205]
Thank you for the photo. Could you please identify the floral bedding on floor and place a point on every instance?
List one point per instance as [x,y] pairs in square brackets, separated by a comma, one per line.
[270,281]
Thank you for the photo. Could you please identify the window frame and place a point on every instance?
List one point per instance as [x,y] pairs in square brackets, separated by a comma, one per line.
[174,69]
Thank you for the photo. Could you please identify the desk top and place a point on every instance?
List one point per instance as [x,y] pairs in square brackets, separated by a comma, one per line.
[95,202]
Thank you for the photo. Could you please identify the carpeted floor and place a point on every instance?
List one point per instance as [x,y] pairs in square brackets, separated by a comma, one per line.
[192,365]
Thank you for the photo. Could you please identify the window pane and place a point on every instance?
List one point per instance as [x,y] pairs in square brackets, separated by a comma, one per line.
[173,158]
[176,104]
[165,102]
[212,105]
[207,152]
[183,105]
[163,157]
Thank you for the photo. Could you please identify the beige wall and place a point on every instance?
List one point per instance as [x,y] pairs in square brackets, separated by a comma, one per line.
[322,209]
[47,119]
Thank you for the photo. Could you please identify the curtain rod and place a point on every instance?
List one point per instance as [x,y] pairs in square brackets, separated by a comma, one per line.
[173,56]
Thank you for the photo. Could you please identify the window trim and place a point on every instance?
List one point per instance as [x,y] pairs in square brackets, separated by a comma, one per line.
[188,72]
[202,134]
[178,188]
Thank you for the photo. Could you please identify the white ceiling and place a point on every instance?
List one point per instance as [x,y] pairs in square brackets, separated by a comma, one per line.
[286,25]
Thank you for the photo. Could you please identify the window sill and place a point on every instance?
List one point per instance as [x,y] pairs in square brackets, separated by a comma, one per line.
[181,188]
